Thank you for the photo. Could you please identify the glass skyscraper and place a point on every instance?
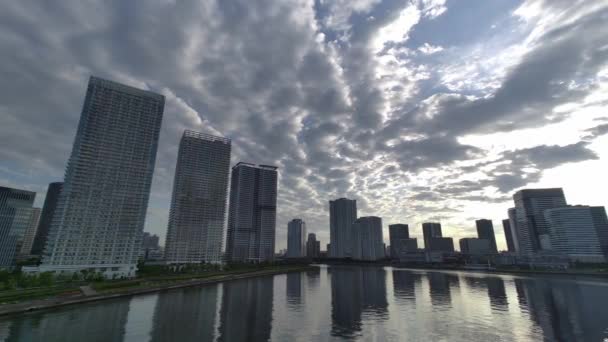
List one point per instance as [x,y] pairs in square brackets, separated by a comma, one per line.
[198,205]
[296,238]
[252,214]
[15,219]
[46,218]
[101,210]
[342,215]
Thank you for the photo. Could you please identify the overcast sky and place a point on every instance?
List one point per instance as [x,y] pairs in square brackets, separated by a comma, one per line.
[420,110]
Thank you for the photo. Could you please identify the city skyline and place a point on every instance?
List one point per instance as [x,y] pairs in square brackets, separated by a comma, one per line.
[436,123]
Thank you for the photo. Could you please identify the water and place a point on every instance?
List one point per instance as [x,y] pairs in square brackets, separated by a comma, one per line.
[340,303]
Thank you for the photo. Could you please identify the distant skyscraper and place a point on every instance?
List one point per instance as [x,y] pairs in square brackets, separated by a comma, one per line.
[296,235]
[313,246]
[198,205]
[430,230]
[15,218]
[576,232]
[514,230]
[30,233]
[46,217]
[600,221]
[441,244]
[252,215]
[101,210]
[532,228]
[342,214]
[508,235]
[475,246]
[396,233]
[485,230]
[367,240]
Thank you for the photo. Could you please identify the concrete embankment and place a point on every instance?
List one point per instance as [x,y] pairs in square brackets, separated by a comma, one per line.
[55,302]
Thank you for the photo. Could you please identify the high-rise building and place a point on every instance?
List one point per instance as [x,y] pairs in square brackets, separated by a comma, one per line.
[367,240]
[101,210]
[403,247]
[514,230]
[198,205]
[532,228]
[30,233]
[150,249]
[441,244]
[485,230]
[313,246]
[252,214]
[575,231]
[506,225]
[342,214]
[46,217]
[396,233]
[15,218]
[296,235]
[600,221]
[430,230]
[475,246]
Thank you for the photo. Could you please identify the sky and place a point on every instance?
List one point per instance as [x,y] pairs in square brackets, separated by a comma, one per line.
[419,109]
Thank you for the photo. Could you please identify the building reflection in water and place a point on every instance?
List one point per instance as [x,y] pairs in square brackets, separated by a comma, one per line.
[404,286]
[354,291]
[294,288]
[246,313]
[313,278]
[495,288]
[439,287]
[186,315]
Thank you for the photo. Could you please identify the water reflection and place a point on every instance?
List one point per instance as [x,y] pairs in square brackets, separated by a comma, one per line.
[338,303]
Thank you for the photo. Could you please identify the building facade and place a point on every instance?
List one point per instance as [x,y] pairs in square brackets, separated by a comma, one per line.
[441,244]
[15,218]
[367,240]
[30,233]
[574,231]
[475,246]
[198,205]
[485,230]
[430,230]
[514,230]
[342,215]
[100,214]
[532,227]
[397,233]
[46,217]
[296,239]
[313,246]
[252,214]
[506,226]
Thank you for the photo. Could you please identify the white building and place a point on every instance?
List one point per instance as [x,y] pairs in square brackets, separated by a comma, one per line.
[100,214]
[198,205]
[367,239]
[296,239]
[574,231]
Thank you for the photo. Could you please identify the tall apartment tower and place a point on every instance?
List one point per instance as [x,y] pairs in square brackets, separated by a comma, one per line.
[30,232]
[485,230]
[15,218]
[430,230]
[342,215]
[532,227]
[313,246]
[512,213]
[252,213]
[296,239]
[100,214]
[198,204]
[46,217]
[506,225]
[397,233]
[367,240]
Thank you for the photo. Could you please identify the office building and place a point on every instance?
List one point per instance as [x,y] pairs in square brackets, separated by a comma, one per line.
[514,230]
[485,230]
[396,233]
[404,246]
[506,225]
[99,219]
[296,235]
[575,231]
[342,214]
[532,228]
[30,233]
[313,246]
[367,239]
[475,246]
[252,213]
[441,244]
[430,230]
[150,248]
[198,205]
[600,221]
[46,217]
[15,218]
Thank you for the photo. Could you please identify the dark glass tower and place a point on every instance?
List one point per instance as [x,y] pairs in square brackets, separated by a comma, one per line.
[48,210]
[485,230]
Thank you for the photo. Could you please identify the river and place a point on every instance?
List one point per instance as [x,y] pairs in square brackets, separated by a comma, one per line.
[339,303]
